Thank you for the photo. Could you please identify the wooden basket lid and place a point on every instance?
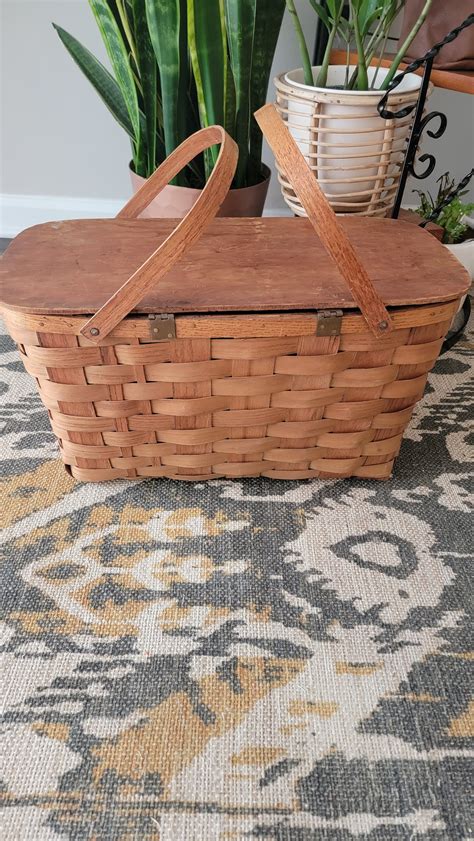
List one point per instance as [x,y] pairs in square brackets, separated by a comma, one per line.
[238,265]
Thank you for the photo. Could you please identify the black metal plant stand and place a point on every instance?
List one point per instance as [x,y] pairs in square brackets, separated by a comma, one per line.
[420,123]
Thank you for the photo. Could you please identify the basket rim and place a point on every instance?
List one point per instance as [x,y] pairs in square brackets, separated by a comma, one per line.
[335,96]
[230,325]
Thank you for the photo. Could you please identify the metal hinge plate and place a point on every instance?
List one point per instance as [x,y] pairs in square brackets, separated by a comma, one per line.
[162,326]
[329,323]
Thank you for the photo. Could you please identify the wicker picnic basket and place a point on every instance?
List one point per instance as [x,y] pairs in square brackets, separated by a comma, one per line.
[259,350]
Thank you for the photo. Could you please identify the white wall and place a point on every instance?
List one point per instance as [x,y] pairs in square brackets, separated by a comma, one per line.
[62,154]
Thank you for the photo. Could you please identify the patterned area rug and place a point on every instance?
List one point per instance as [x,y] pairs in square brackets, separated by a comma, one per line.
[238,660]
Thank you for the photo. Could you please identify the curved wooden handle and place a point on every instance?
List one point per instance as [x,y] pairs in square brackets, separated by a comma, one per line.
[187,232]
[323,219]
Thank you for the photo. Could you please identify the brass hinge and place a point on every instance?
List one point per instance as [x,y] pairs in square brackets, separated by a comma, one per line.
[329,323]
[162,326]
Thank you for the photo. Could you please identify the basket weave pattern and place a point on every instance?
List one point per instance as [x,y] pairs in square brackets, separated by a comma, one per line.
[290,395]
[286,404]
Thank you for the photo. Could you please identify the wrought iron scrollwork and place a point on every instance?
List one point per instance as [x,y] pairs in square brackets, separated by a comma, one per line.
[428,118]
[420,120]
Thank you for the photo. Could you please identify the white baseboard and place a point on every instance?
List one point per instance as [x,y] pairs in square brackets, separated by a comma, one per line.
[18,212]
[278,211]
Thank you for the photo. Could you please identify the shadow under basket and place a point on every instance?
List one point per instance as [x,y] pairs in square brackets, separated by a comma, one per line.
[250,356]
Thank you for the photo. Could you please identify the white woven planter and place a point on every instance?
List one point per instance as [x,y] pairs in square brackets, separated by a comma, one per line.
[355,155]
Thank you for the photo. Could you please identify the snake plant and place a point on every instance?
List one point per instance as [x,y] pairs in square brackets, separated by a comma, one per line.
[179,65]
[366,29]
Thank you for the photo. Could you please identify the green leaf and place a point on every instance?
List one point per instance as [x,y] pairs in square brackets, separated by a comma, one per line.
[208,50]
[267,29]
[123,16]
[103,82]
[119,60]
[305,57]
[230,105]
[321,13]
[195,171]
[369,11]
[335,8]
[345,30]
[403,48]
[148,77]
[240,16]
[167,27]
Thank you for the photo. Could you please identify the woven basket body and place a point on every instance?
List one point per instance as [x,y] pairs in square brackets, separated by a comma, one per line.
[185,372]
[231,396]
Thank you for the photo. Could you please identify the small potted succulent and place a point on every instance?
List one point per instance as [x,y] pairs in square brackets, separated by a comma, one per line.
[181,65]
[456,219]
[331,110]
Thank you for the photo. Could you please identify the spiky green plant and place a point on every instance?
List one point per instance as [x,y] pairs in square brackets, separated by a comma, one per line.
[450,218]
[179,65]
[366,30]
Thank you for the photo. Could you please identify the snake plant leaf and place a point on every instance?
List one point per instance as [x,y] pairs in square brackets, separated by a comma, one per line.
[208,50]
[229,117]
[167,27]
[103,82]
[119,60]
[123,16]
[267,29]
[240,16]
[195,170]
[147,69]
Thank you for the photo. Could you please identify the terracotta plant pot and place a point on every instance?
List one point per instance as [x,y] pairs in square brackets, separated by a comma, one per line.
[174,202]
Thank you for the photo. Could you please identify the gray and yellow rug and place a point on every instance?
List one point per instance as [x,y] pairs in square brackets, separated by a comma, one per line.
[238,660]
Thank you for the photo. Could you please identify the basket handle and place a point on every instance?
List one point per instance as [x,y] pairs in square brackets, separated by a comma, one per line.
[187,232]
[323,219]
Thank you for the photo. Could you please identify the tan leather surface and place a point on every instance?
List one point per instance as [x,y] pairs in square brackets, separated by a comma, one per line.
[442,18]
